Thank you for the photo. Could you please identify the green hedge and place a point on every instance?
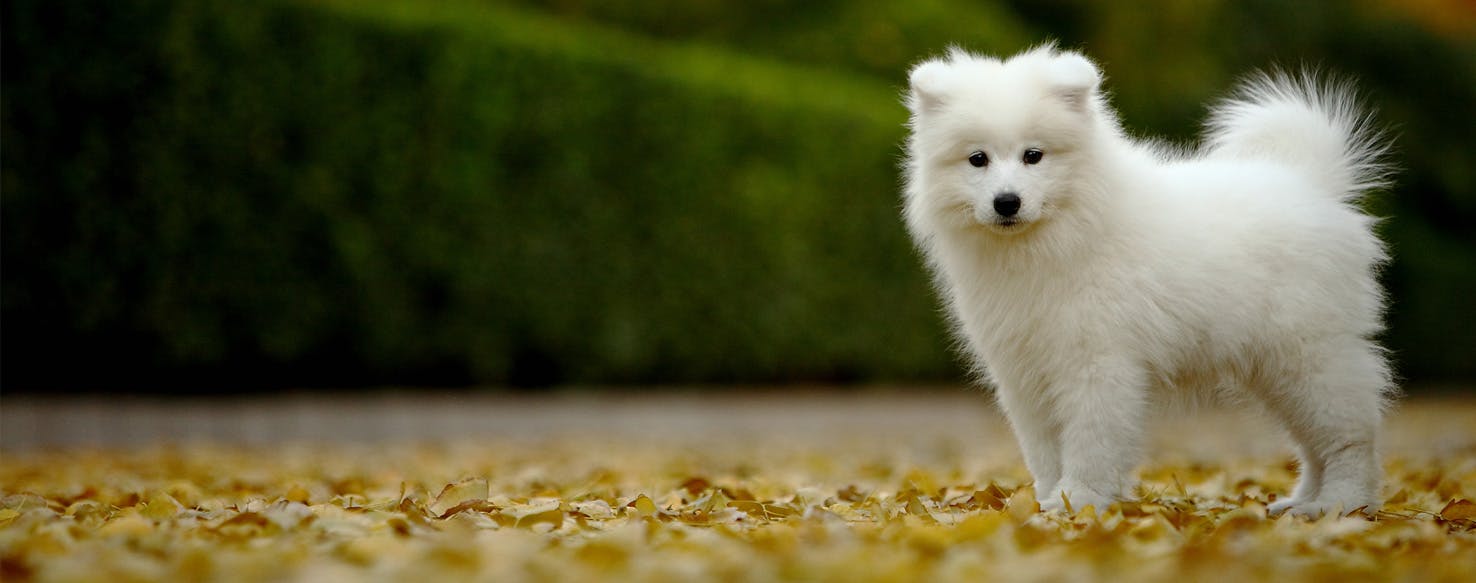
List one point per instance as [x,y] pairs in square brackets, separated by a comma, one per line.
[341,193]
[880,38]
[337,192]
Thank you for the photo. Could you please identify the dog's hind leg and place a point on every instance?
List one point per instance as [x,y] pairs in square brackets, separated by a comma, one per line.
[1309,480]
[1333,408]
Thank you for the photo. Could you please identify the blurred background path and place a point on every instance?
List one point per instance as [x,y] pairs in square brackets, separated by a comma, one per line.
[895,417]
[30,422]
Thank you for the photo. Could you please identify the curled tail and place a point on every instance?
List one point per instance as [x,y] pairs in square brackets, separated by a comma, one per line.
[1312,125]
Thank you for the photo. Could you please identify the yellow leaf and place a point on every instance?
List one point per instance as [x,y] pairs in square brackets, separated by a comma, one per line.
[161,507]
[297,493]
[1459,509]
[366,550]
[1023,505]
[991,497]
[850,494]
[530,517]
[929,541]
[597,509]
[287,514]
[921,480]
[714,501]
[454,494]
[979,525]
[696,485]
[643,506]
[129,524]
[468,506]
[912,502]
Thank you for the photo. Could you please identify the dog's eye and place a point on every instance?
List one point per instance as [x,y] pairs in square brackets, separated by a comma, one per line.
[1033,156]
[979,159]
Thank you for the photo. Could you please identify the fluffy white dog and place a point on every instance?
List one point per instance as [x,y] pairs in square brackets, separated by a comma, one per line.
[1096,277]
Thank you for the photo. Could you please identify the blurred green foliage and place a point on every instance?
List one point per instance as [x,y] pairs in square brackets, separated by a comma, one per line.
[335,193]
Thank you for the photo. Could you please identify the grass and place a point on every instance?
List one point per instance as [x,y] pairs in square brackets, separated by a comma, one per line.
[871,487]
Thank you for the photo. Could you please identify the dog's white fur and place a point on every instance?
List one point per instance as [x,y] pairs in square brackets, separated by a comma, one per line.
[1135,274]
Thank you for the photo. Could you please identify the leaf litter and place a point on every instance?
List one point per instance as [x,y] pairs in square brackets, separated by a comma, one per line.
[759,507]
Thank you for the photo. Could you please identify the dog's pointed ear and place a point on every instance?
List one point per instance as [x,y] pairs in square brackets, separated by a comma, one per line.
[1075,79]
[929,82]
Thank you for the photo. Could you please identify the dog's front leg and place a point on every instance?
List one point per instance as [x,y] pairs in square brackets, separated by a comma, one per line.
[1101,409]
[1036,430]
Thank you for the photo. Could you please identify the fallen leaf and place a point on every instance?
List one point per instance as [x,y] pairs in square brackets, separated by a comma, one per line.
[1459,509]
[695,486]
[992,497]
[542,511]
[477,505]
[160,507]
[1022,505]
[454,494]
[643,506]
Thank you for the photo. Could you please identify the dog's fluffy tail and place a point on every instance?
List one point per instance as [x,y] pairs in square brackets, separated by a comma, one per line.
[1313,125]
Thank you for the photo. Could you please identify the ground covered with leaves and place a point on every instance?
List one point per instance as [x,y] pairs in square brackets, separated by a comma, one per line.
[833,488]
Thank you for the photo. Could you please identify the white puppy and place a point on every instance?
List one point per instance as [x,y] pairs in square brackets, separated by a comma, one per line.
[1094,276]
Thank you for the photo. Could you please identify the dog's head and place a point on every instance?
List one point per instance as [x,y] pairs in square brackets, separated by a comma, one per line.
[996,143]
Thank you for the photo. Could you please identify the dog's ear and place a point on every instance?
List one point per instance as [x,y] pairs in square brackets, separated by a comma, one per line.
[1075,79]
[929,82]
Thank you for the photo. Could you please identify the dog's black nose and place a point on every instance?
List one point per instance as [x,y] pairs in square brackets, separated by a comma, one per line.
[1007,204]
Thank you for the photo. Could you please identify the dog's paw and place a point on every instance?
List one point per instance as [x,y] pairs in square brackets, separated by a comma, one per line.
[1077,497]
[1280,506]
[1052,505]
[1318,508]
